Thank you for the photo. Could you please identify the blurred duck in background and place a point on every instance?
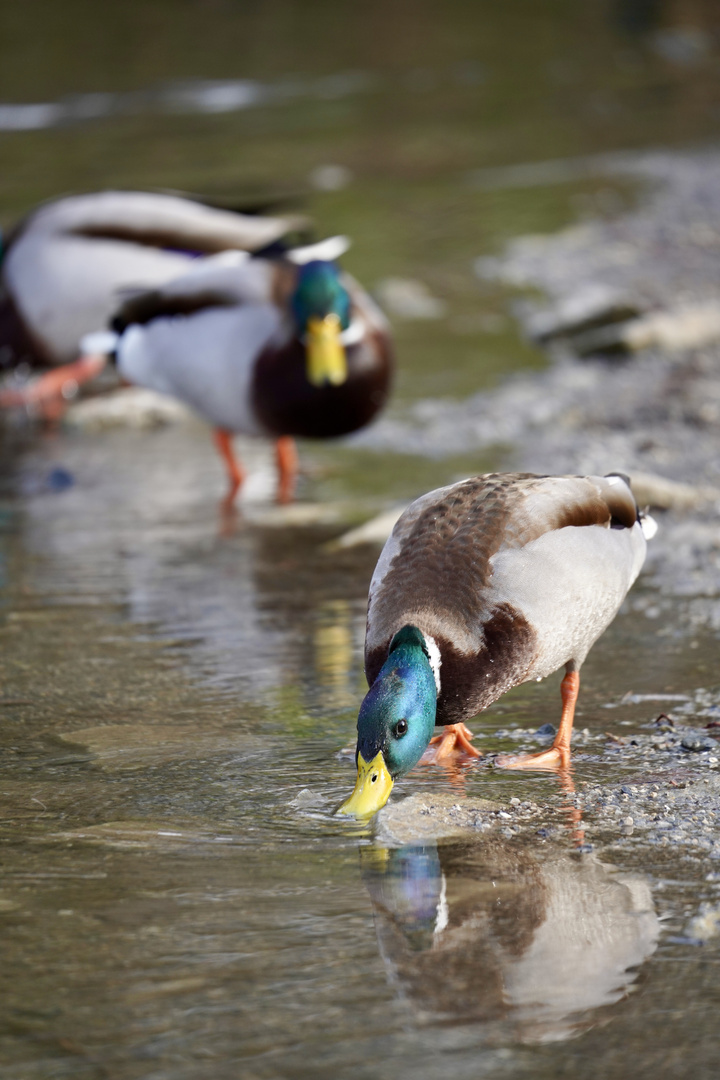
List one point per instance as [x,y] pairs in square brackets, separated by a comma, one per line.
[216,308]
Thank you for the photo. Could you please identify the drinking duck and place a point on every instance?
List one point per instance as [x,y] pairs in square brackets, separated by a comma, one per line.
[483,585]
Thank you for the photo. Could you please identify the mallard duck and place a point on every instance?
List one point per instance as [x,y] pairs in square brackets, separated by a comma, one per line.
[278,342]
[67,266]
[483,585]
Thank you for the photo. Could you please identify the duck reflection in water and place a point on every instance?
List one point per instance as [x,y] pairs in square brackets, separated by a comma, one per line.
[491,932]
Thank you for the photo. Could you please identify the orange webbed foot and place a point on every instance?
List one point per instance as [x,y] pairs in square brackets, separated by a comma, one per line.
[555,759]
[51,393]
[455,737]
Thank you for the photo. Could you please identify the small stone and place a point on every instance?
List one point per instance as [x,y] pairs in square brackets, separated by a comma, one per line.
[697,744]
[306,799]
[330,177]
[546,729]
[60,479]
[407,298]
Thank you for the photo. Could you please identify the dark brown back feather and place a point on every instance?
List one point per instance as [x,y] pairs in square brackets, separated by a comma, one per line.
[143,307]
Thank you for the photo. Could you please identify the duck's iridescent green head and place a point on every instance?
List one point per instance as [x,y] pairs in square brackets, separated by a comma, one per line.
[396,722]
[321,307]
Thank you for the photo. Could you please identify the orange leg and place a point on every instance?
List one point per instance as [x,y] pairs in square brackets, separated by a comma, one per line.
[454,737]
[235,471]
[558,756]
[51,393]
[287,464]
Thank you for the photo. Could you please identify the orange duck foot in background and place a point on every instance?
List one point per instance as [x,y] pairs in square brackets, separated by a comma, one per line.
[286,456]
[235,471]
[50,394]
[454,737]
[558,756]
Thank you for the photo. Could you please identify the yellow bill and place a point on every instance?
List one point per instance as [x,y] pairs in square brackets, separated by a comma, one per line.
[372,788]
[326,361]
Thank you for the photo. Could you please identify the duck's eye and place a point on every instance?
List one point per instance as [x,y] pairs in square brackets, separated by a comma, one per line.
[401,728]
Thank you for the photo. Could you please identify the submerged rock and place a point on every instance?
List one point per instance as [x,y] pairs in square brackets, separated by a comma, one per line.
[307,799]
[409,299]
[704,925]
[432,816]
[664,494]
[673,330]
[374,531]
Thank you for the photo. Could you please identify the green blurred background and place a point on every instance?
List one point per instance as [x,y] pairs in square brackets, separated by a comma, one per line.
[382,119]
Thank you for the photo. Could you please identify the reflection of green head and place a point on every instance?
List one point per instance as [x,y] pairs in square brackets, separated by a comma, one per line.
[396,721]
[407,884]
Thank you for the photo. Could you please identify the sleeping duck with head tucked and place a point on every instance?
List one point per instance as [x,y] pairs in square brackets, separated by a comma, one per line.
[215,308]
[483,585]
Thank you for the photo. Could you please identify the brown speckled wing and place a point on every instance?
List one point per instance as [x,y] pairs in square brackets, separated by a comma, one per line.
[435,572]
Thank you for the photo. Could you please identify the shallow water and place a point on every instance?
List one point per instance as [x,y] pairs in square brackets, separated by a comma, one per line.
[177,898]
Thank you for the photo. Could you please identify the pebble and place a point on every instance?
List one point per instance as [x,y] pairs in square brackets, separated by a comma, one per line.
[698,744]
[307,799]
[60,479]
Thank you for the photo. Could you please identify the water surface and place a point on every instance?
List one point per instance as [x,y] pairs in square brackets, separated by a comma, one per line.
[177,898]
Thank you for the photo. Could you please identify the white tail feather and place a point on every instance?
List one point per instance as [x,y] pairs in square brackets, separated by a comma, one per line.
[648,526]
[102,342]
[326,250]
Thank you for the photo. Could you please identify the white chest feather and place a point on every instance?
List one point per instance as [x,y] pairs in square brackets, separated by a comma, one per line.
[206,360]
